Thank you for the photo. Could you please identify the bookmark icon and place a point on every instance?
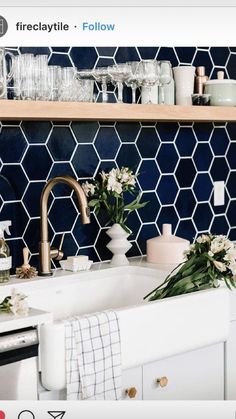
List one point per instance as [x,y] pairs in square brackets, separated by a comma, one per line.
[57,414]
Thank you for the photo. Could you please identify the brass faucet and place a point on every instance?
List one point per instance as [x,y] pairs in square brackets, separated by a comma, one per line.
[45,251]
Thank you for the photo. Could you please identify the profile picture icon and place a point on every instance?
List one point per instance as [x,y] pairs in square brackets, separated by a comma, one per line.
[3,26]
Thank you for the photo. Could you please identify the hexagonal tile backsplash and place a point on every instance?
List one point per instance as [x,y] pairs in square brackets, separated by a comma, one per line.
[177,163]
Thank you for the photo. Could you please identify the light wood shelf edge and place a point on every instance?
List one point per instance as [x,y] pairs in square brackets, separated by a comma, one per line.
[61,111]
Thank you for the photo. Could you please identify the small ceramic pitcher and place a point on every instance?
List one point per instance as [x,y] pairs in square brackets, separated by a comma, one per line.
[184,84]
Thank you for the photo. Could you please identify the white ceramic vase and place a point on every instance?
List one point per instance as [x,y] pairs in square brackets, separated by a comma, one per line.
[184,84]
[119,245]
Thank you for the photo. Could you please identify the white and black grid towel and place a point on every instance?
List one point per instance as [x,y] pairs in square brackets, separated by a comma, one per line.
[93,357]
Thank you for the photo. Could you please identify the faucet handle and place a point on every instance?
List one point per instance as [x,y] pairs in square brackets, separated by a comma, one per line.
[58,254]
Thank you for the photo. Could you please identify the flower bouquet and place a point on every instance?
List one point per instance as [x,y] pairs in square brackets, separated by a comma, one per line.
[210,260]
[15,304]
[109,193]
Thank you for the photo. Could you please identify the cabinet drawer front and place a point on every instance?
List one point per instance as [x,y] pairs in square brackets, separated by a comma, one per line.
[131,381]
[194,375]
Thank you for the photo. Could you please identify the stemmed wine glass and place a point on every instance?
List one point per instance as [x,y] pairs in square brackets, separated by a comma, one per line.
[132,80]
[119,73]
[147,74]
[102,76]
[164,78]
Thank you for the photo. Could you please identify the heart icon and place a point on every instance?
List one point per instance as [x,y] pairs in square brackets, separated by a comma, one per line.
[2,415]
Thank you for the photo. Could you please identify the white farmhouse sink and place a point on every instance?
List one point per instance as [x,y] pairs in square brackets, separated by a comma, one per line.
[149,330]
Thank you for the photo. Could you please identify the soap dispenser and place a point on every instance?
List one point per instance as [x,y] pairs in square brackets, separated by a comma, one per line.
[5,258]
[167,248]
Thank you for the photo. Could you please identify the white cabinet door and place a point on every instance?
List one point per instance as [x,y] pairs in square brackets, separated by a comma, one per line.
[230,364]
[132,384]
[193,375]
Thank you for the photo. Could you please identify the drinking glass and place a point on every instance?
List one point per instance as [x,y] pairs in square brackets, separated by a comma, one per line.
[132,79]
[41,76]
[67,89]
[54,75]
[84,90]
[25,76]
[119,73]
[164,78]
[102,76]
[147,74]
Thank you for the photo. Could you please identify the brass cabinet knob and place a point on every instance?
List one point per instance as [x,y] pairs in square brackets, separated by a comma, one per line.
[163,381]
[131,392]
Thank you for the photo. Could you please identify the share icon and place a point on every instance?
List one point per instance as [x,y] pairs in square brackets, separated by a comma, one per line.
[57,414]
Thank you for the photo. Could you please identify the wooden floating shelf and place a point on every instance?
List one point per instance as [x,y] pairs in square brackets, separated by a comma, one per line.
[71,111]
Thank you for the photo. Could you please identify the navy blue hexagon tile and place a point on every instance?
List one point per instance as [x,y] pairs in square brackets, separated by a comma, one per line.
[167,131]
[185,141]
[167,189]
[86,234]
[219,55]
[12,144]
[203,57]
[186,230]
[61,144]
[185,203]
[185,54]
[107,143]
[32,198]
[149,175]
[203,216]
[16,177]
[36,131]
[185,173]
[203,157]
[231,184]
[203,187]
[100,245]
[134,224]
[84,58]
[125,54]
[128,132]
[231,66]
[148,53]
[84,131]
[128,156]
[219,141]
[60,59]
[219,169]
[203,130]
[37,163]
[150,211]
[220,225]
[62,215]
[167,158]
[148,142]
[85,160]
[231,129]
[231,153]
[230,213]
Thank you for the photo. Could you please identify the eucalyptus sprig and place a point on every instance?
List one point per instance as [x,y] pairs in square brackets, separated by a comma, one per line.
[210,260]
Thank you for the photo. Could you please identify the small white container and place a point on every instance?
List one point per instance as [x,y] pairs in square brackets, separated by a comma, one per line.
[76,266]
[167,248]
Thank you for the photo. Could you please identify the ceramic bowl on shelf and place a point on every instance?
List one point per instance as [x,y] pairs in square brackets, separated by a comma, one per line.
[223,92]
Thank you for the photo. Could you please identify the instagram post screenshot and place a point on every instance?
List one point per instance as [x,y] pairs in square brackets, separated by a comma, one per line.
[117,210]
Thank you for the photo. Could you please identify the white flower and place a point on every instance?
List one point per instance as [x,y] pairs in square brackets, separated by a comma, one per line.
[113,185]
[210,253]
[88,188]
[220,266]
[18,305]
[217,244]
[203,238]
[232,267]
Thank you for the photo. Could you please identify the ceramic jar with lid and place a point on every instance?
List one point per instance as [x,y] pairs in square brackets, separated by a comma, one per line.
[222,91]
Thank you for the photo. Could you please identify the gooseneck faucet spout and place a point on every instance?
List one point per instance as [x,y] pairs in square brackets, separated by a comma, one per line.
[45,251]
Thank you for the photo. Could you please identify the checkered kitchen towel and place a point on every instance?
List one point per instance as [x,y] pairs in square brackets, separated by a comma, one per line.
[93,357]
